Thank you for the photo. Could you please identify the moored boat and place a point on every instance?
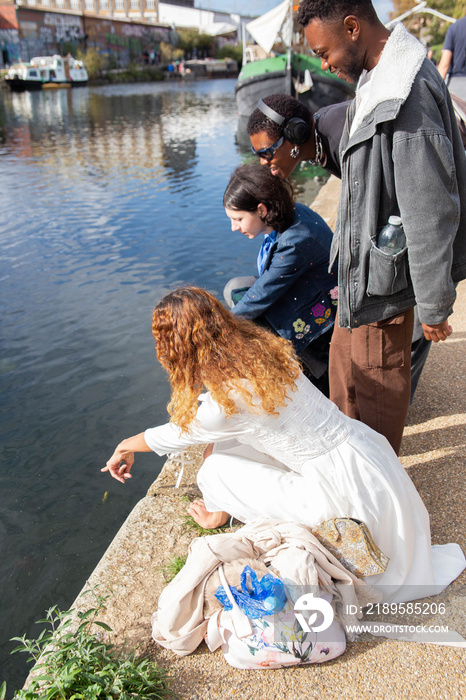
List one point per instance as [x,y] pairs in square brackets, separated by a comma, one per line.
[305,80]
[295,72]
[45,72]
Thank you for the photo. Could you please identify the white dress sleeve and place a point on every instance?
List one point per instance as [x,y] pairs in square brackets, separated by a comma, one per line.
[211,424]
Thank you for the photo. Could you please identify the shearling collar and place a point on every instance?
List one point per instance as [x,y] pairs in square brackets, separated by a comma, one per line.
[394,74]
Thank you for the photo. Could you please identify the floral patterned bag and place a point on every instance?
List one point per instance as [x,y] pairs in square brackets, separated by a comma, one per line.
[271,641]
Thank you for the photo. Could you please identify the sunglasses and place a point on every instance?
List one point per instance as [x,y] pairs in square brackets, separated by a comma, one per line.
[268,153]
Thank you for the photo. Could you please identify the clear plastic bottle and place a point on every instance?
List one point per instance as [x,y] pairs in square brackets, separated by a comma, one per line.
[392,237]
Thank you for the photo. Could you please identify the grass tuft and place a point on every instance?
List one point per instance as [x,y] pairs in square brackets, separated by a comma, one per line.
[190,525]
[173,567]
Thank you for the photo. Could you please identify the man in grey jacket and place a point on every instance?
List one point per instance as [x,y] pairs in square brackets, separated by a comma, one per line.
[400,154]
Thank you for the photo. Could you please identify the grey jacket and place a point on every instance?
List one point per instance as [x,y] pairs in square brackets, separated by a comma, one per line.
[403,156]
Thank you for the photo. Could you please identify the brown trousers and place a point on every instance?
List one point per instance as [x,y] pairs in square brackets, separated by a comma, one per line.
[370,374]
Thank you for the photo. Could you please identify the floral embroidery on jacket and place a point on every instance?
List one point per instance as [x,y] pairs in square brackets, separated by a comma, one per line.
[320,313]
[318,310]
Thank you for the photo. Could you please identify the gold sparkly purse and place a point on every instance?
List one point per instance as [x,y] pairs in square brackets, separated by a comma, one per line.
[350,541]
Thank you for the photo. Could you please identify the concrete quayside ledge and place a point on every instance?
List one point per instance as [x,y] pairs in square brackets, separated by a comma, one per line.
[433,452]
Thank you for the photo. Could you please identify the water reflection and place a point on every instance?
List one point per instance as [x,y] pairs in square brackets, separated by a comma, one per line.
[105,134]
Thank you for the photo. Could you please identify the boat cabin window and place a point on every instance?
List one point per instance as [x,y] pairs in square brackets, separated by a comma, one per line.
[33,73]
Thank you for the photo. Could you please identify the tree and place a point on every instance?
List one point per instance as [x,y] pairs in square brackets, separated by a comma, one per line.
[452,8]
[192,41]
[428,28]
[94,62]
[231,51]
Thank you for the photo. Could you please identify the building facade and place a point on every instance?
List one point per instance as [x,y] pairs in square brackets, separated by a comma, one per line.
[126,29]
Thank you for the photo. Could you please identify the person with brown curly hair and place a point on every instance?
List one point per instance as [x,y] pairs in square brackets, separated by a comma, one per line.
[281,449]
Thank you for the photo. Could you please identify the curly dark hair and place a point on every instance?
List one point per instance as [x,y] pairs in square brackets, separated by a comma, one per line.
[286,106]
[334,10]
[253,184]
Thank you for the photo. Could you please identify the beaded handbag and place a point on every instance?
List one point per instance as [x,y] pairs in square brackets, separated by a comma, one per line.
[350,541]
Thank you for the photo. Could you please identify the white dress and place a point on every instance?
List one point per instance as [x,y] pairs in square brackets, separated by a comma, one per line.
[312,463]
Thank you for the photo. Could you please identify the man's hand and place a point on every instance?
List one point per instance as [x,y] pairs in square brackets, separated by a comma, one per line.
[437,332]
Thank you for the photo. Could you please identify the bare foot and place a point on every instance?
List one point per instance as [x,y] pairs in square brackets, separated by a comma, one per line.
[207,520]
[208,450]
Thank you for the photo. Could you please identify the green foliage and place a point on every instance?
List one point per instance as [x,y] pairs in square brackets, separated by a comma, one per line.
[452,8]
[166,52]
[460,9]
[437,50]
[172,568]
[187,498]
[94,62]
[433,28]
[190,39]
[178,54]
[134,73]
[75,663]
[191,525]
[231,51]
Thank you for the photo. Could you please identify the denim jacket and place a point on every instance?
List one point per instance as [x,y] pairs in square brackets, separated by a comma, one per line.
[295,292]
[402,154]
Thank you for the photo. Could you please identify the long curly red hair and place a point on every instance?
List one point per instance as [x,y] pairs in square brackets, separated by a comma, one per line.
[202,344]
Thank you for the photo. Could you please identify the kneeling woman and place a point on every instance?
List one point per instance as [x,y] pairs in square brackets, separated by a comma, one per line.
[295,295]
[281,449]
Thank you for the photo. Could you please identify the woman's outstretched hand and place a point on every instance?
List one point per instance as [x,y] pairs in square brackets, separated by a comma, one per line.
[120,463]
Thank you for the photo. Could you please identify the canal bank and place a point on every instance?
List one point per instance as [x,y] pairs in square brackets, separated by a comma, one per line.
[131,570]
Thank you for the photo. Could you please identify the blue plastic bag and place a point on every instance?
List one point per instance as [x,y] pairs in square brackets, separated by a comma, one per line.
[265,597]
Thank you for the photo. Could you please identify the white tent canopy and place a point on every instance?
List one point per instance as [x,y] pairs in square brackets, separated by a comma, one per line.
[219,28]
[265,30]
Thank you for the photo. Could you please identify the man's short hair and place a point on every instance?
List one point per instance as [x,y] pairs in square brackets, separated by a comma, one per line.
[334,10]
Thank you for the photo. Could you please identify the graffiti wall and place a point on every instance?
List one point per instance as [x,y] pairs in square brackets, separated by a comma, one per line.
[44,33]
[9,47]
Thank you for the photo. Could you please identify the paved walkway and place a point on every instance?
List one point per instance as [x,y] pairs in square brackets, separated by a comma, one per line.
[433,452]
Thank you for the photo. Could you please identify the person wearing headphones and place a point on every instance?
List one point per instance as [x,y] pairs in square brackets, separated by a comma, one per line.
[284,133]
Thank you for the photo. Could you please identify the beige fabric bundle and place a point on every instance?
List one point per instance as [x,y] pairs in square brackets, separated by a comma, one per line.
[291,551]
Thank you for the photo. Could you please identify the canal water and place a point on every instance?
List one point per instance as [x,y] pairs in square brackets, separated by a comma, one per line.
[111,196]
